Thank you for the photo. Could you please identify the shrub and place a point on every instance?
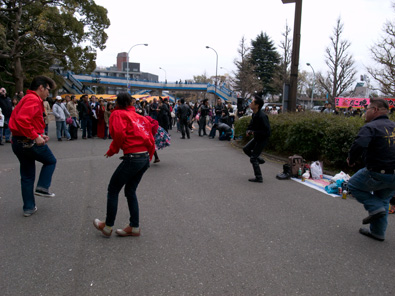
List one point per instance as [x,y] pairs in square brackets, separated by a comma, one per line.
[241,127]
[315,136]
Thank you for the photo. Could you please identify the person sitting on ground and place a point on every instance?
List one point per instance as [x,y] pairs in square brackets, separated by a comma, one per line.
[225,131]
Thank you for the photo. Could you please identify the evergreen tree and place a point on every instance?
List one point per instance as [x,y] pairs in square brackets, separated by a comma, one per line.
[266,61]
[245,82]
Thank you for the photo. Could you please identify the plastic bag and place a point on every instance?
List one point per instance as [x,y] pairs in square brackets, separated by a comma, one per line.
[332,188]
[341,175]
[316,170]
[306,175]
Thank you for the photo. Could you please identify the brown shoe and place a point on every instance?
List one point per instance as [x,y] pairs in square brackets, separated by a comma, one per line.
[101,226]
[156,160]
[128,231]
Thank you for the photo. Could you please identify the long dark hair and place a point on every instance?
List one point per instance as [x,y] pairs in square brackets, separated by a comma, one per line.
[124,100]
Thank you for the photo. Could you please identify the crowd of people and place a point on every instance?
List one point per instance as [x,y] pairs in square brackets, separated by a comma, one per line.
[138,129]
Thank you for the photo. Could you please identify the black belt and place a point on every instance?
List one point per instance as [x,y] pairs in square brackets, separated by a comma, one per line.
[134,155]
[383,171]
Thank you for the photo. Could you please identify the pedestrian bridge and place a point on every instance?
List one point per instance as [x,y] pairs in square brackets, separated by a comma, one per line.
[80,83]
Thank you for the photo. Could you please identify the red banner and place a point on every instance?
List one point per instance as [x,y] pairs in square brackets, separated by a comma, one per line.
[359,102]
[351,102]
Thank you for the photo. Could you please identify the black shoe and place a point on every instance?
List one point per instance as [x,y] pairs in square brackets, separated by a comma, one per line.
[8,141]
[261,160]
[256,180]
[1,144]
[188,137]
[60,139]
[367,233]
[211,137]
[182,138]
[371,218]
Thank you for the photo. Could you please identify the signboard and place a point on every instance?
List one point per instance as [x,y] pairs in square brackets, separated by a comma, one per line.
[351,102]
[359,102]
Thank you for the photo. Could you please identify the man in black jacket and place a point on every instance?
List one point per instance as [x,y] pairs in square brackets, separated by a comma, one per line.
[374,185]
[259,127]
[204,111]
[183,112]
[6,107]
[85,111]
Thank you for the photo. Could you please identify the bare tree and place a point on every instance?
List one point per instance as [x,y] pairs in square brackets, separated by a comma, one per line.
[245,81]
[383,53]
[341,73]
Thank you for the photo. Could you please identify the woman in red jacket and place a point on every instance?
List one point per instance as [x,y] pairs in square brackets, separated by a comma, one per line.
[130,132]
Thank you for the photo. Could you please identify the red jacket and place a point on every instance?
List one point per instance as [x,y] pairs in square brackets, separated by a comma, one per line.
[27,118]
[154,123]
[130,132]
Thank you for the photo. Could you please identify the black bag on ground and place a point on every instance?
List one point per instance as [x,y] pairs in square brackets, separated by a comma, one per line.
[286,174]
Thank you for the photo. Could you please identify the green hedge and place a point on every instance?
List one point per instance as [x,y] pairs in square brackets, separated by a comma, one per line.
[315,136]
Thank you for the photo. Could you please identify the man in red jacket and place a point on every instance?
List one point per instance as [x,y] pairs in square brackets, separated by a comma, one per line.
[29,143]
[131,133]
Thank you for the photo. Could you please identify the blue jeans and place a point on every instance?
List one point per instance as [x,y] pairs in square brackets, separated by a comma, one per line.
[27,158]
[60,128]
[6,130]
[374,191]
[128,174]
[86,125]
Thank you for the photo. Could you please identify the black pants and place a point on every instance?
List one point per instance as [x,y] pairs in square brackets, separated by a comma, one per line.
[184,127]
[202,125]
[254,149]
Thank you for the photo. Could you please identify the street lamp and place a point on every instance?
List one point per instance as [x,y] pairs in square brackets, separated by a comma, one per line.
[312,90]
[165,73]
[216,70]
[127,64]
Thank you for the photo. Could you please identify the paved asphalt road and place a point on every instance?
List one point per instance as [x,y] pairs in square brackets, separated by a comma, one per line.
[206,230]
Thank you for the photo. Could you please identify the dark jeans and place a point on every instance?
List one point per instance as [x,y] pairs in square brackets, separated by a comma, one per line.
[202,125]
[27,159]
[184,127]
[86,125]
[214,129]
[254,149]
[128,174]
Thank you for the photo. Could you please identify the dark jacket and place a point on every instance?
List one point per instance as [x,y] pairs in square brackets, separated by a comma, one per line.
[183,111]
[6,106]
[85,110]
[163,116]
[375,143]
[260,125]
[204,110]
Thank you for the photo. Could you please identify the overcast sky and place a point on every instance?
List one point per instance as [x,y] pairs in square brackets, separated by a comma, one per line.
[178,31]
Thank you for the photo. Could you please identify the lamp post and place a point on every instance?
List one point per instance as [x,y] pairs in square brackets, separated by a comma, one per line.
[165,73]
[216,70]
[127,64]
[295,53]
[312,90]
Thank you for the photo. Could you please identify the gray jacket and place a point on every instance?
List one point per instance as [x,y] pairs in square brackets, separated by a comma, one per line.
[60,112]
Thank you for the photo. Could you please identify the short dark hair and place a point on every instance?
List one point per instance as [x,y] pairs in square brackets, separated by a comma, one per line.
[124,100]
[42,80]
[182,101]
[379,103]
[84,96]
[258,100]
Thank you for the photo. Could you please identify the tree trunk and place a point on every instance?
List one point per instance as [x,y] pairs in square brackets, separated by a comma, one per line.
[18,75]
